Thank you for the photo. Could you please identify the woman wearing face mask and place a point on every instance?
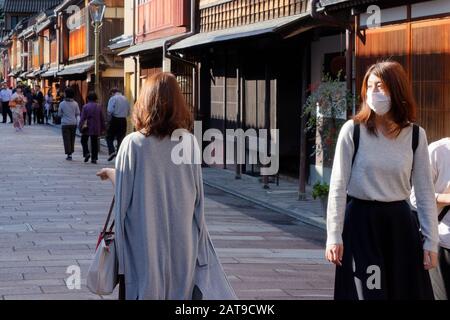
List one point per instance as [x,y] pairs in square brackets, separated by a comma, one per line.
[373,238]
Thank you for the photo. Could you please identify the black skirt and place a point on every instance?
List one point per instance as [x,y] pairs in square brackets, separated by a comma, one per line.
[383,254]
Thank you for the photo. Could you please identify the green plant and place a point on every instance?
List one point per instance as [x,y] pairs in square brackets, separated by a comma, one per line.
[326,111]
[320,190]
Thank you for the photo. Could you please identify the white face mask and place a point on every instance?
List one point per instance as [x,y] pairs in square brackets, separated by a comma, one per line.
[379,103]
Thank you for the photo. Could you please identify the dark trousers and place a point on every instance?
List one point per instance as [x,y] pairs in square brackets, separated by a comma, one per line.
[34,111]
[94,146]
[6,111]
[121,287]
[117,130]
[29,115]
[40,115]
[68,133]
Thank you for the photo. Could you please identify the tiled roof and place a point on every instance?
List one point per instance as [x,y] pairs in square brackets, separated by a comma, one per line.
[29,6]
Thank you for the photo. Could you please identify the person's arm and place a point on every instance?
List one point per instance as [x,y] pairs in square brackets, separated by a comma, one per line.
[77,113]
[111,106]
[443,199]
[340,176]
[60,109]
[124,181]
[82,118]
[424,193]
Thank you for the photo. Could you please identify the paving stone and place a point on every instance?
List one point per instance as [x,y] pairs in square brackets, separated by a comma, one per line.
[267,255]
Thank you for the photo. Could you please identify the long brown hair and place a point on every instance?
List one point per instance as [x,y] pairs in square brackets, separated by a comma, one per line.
[161,108]
[403,105]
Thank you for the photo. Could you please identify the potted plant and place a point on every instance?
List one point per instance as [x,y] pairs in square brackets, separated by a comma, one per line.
[320,190]
[326,111]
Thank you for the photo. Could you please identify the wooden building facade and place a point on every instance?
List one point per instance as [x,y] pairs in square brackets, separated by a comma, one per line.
[57,46]
[417,36]
[153,22]
[255,70]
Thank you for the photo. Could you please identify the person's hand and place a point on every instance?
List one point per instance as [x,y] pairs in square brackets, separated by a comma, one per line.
[334,253]
[105,173]
[430,260]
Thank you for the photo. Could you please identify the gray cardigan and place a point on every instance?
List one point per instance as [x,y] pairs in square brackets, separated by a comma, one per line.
[164,248]
[69,111]
[382,171]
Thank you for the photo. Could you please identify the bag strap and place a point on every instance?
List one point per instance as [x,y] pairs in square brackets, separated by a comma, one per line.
[415,138]
[443,213]
[356,131]
[109,218]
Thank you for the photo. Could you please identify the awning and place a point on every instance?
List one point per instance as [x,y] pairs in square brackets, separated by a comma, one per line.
[35,73]
[50,73]
[146,46]
[77,68]
[15,73]
[43,25]
[120,42]
[24,74]
[251,30]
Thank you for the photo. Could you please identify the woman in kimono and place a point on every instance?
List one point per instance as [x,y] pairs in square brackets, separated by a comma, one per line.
[17,105]
[163,245]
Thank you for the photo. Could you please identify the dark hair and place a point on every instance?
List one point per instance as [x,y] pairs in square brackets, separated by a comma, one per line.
[92,97]
[114,91]
[403,105]
[69,93]
[161,108]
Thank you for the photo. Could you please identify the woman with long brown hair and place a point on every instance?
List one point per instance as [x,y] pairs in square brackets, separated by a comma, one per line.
[374,238]
[164,248]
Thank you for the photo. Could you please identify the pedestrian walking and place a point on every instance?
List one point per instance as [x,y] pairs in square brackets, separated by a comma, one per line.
[39,99]
[439,152]
[17,105]
[5,96]
[374,238]
[34,106]
[29,105]
[118,111]
[48,105]
[92,125]
[163,245]
[69,111]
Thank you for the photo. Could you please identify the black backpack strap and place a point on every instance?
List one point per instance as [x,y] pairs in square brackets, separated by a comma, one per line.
[356,130]
[443,213]
[415,143]
[415,137]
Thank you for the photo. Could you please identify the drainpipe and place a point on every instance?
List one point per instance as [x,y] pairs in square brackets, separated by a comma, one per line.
[170,56]
[191,32]
[58,35]
[134,57]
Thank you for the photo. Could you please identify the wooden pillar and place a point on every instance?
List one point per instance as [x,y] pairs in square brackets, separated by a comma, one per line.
[306,76]
[225,111]
[349,38]
[267,106]
[239,117]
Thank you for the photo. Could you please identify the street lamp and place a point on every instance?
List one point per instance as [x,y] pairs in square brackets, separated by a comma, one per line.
[97,11]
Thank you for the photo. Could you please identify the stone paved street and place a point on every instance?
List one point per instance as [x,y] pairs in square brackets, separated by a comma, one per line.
[51,212]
